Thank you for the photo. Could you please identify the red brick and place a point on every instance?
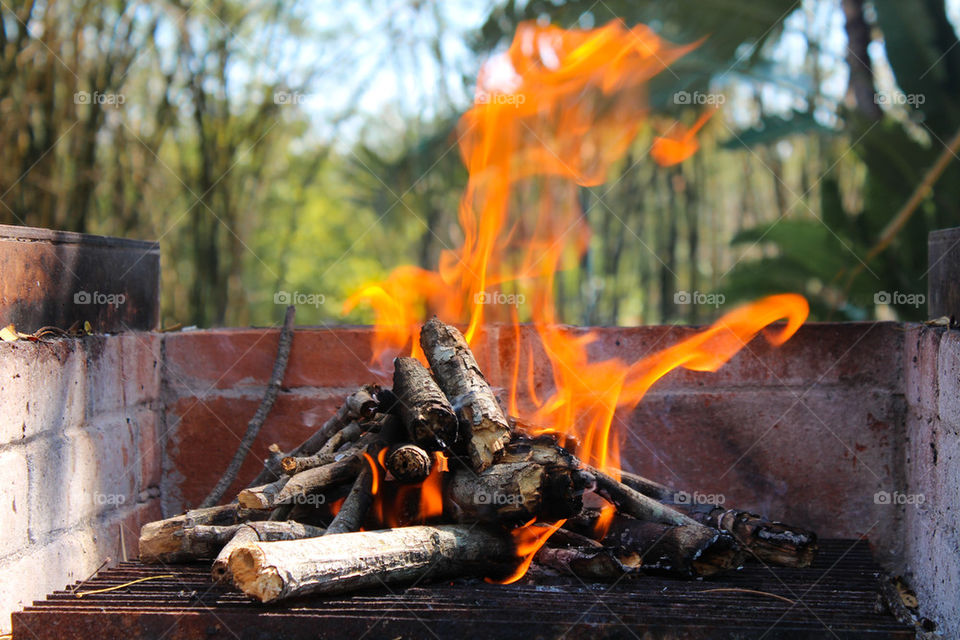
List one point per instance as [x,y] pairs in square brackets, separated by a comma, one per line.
[229,358]
[205,435]
[867,354]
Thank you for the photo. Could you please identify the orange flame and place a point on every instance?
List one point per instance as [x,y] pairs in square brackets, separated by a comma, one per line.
[528,539]
[557,110]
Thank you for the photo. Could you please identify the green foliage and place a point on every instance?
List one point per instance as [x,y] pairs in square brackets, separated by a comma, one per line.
[817,256]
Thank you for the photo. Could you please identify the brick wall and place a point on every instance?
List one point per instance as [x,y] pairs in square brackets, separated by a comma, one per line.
[79,458]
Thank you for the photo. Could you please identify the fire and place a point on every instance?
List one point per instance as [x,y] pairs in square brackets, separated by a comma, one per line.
[555,111]
[528,540]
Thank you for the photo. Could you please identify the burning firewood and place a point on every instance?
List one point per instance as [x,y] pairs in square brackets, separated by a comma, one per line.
[271,571]
[460,378]
[408,463]
[442,430]
[771,542]
[426,412]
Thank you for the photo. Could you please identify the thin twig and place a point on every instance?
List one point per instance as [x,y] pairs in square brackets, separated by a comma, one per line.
[253,428]
[89,577]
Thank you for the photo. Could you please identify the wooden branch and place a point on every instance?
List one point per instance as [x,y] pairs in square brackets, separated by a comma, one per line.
[257,532]
[647,487]
[262,497]
[354,508]
[165,538]
[634,503]
[255,424]
[270,571]
[512,493]
[292,465]
[314,481]
[588,563]
[771,542]
[426,412]
[461,380]
[685,551]
[361,404]
[408,463]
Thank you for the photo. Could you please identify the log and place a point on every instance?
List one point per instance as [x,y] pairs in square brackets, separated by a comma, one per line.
[509,493]
[486,430]
[270,571]
[587,563]
[687,551]
[770,542]
[354,508]
[514,492]
[408,463]
[257,532]
[425,411]
[634,503]
[262,497]
[165,538]
[300,487]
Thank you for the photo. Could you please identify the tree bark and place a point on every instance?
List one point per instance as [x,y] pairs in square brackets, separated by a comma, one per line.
[257,532]
[165,538]
[270,571]
[355,507]
[771,542]
[485,427]
[262,497]
[688,551]
[426,412]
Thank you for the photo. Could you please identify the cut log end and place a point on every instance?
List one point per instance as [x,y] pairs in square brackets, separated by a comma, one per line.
[252,574]
[409,463]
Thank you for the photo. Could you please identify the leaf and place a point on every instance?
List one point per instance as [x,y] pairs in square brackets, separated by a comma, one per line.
[9,333]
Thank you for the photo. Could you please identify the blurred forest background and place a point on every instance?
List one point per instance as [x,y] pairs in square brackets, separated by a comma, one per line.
[310,147]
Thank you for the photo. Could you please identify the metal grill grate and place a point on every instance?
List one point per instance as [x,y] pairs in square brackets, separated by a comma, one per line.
[836,598]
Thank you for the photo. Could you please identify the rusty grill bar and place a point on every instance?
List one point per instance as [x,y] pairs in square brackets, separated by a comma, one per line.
[837,597]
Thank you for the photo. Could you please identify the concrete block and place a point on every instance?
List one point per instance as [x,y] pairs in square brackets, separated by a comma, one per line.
[43,386]
[14,506]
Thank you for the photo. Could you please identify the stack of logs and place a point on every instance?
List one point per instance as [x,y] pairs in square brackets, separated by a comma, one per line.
[313,521]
